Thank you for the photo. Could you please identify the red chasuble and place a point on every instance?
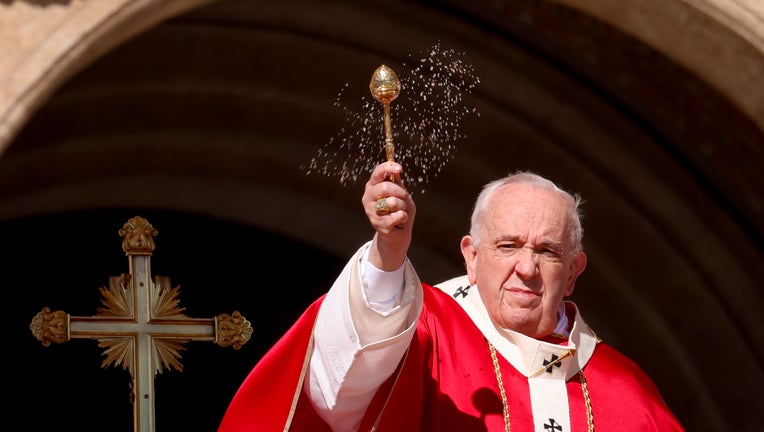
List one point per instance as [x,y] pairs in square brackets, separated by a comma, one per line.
[447,381]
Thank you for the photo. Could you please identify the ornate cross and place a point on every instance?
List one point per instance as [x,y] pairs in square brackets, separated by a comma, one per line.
[140,325]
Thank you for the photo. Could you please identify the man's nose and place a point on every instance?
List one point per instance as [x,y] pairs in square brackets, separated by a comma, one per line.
[527,263]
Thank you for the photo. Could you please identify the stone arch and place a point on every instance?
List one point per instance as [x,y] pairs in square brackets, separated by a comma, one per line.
[675,214]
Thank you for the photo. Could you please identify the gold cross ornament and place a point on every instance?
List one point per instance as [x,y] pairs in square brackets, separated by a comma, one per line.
[140,325]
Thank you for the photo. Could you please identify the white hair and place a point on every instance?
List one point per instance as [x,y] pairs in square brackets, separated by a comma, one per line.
[532,179]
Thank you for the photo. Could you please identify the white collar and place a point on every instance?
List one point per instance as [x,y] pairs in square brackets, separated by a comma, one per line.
[530,356]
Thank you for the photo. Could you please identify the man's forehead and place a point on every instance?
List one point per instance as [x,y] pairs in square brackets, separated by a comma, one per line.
[527,201]
[530,211]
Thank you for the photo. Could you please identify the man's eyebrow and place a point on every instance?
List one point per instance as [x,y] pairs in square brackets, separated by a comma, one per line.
[506,237]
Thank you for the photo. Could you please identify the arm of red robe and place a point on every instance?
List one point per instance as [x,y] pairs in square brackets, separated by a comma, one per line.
[265,400]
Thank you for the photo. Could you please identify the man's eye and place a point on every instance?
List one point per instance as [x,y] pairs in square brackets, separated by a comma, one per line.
[507,246]
[551,254]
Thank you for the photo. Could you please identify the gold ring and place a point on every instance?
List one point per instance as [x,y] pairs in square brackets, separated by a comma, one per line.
[382,207]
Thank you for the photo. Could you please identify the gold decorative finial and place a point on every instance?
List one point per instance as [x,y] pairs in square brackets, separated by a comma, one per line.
[385,87]
[50,326]
[232,330]
[138,237]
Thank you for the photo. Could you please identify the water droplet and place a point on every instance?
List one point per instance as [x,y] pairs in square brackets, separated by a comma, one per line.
[426,120]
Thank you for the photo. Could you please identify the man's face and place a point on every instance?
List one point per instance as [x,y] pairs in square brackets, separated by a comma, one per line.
[524,264]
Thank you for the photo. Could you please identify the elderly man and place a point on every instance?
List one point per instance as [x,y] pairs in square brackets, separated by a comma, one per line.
[496,349]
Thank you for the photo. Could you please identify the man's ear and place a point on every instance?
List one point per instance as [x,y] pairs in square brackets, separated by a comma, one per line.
[577,267]
[469,252]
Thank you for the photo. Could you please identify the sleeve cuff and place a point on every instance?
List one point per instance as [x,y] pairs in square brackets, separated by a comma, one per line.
[382,289]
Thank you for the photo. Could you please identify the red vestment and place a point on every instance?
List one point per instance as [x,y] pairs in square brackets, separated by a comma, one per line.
[447,382]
